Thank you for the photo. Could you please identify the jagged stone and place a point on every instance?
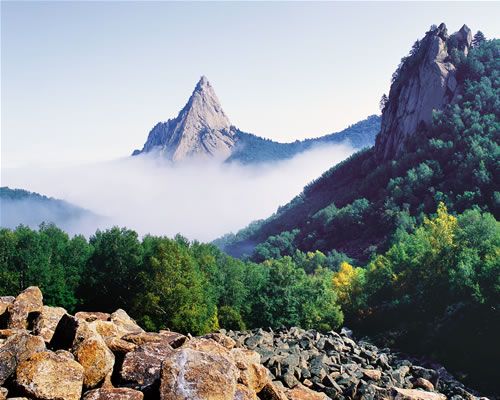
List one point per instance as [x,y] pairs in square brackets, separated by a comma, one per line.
[272,392]
[201,129]
[26,306]
[113,394]
[5,302]
[193,374]
[173,339]
[223,340]
[252,374]
[416,394]
[17,349]
[301,392]
[373,374]
[88,347]
[244,393]
[90,316]
[45,324]
[48,376]
[141,367]
[426,82]
[124,323]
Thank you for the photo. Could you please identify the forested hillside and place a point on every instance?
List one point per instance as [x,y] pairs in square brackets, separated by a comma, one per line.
[360,205]
[250,148]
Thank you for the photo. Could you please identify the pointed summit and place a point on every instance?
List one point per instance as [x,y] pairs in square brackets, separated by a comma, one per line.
[201,129]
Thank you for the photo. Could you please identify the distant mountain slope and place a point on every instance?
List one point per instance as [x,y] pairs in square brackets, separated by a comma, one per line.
[250,148]
[203,130]
[18,206]
[360,204]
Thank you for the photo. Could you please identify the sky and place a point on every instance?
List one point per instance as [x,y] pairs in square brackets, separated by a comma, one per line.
[86,81]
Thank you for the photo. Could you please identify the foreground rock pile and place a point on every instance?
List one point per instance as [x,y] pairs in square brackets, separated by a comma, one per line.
[48,354]
[335,365]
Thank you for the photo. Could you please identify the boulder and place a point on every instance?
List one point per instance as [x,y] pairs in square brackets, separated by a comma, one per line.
[45,324]
[244,393]
[173,339]
[195,374]
[206,345]
[48,376]
[113,394]
[88,347]
[17,349]
[301,392]
[272,392]
[223,340]
[95,357]
[415,394]
[141,367]
[120,346]
[90,316]
[251,373]
[373,374]
[5,302]
[23,308]
[124,323]
[424,384]
[65,354]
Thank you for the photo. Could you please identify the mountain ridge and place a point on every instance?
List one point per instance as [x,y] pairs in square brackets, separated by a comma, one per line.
[203,130]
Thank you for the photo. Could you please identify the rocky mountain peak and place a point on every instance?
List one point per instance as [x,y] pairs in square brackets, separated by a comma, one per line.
[424,81]
[201,129]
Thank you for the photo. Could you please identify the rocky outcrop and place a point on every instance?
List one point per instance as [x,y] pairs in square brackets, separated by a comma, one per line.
[98,356]
[424,82]
[201,130]
[25,307]
[49,376]
[333,365]
[45,324]
[18,348]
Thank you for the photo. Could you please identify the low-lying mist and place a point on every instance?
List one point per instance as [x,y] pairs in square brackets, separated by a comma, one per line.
[200,200]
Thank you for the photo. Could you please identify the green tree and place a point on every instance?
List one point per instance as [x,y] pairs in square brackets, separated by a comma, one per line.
[173,290]
[112,269]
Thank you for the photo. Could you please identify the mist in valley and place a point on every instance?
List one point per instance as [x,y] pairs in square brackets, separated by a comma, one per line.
[200,199]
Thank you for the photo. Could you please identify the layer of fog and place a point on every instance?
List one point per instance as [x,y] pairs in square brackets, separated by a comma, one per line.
[201,200]
[32,212]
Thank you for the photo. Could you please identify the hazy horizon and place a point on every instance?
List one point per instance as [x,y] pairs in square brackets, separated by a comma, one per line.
[86,81]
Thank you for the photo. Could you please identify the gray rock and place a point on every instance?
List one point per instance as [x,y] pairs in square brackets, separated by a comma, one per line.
[427,81]
[201,130]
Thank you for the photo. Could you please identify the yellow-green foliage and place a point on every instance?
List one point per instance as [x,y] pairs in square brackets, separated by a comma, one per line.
[348,284]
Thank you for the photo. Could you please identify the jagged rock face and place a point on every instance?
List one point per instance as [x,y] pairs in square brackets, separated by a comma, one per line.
[201,130]
[427,81]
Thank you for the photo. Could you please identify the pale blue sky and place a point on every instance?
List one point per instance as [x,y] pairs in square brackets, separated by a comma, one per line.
[86,81]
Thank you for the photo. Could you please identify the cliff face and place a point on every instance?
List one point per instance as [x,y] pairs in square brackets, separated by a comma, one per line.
[425,81]
[201,129]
